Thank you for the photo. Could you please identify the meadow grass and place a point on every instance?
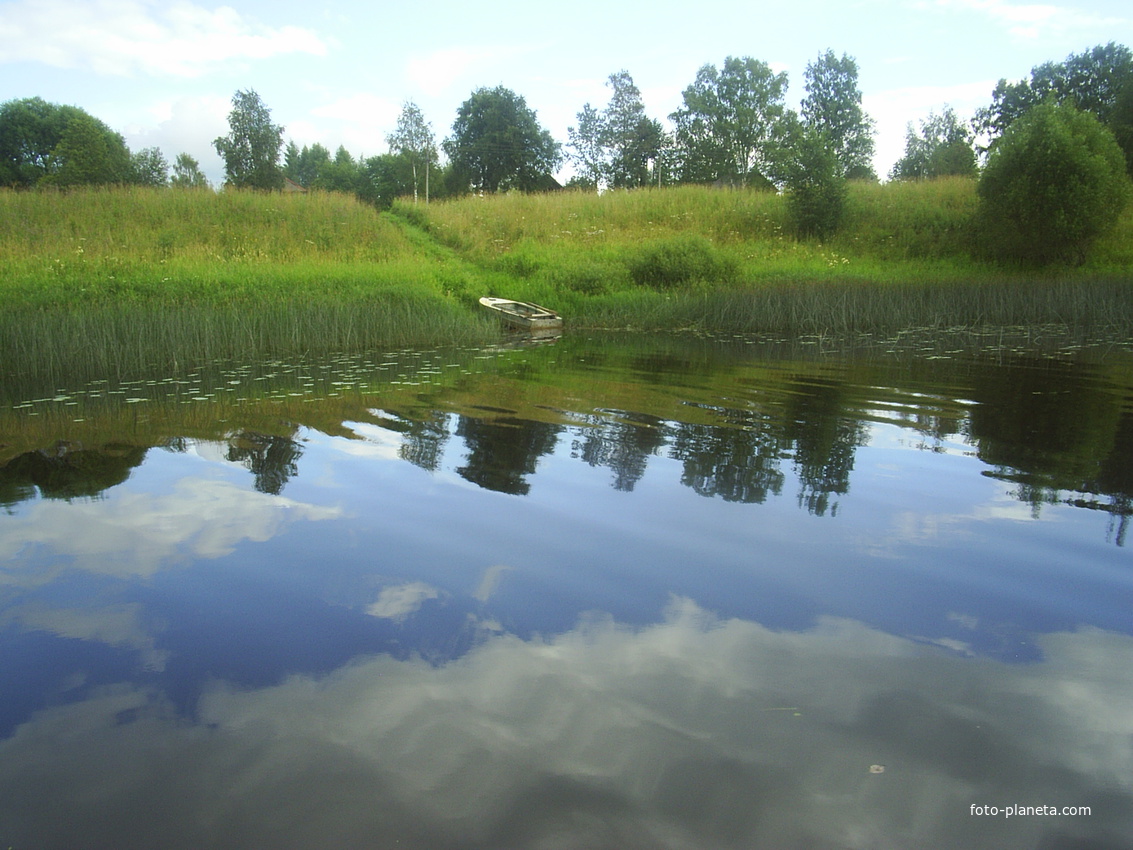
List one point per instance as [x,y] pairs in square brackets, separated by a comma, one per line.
[889,232]
[918,229]
[140,225]
[122,280]
[710,259]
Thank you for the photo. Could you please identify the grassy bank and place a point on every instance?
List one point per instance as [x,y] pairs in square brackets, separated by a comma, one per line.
[698,255]
[125,278]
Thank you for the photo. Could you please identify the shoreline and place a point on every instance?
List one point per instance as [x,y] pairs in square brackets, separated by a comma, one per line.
[120,280]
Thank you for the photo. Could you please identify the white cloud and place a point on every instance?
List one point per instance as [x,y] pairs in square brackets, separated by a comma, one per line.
[127,37]
[185,125]
[1028,21]
[360,107]
[436,72]
[359,121]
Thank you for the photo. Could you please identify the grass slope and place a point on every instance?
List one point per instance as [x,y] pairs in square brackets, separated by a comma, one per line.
[119,280]
[698,257]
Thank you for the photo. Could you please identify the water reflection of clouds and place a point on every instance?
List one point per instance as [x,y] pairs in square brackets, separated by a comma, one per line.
[894,485]
[489,582]
[375,442]
[134,534]
[692,732]
[919,528]
[121,625]
[399,601]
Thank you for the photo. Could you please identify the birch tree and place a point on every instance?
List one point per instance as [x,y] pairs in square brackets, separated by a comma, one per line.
[413,139]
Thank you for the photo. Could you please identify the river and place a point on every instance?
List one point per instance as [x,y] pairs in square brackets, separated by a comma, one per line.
[655,592]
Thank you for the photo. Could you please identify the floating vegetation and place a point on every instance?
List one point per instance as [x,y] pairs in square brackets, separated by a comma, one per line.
[223,390]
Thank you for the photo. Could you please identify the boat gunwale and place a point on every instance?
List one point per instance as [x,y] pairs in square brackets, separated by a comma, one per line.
[534,316]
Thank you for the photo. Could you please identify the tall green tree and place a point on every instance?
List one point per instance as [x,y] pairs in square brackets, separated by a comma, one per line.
[833,107]
[64,145]
[646,152]
[187,173]
[730,127]
[384,178]
[308,164]
[291,161]
[1052,185]
[341,174]
[632,140]
[589,152]
[498,144]
[1121,122]
[413,139]
[88,154]
[149,167]
[943,147]
[252,147]
[1093,81]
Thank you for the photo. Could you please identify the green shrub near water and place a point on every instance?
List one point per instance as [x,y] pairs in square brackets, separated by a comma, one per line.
[816,187]
[1053,184]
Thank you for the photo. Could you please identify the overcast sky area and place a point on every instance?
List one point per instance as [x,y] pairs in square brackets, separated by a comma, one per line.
[336,72]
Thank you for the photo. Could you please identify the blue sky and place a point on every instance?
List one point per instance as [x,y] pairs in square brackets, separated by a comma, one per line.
[337,72]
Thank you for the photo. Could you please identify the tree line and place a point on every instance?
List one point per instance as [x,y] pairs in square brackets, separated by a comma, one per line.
[46,144]
[733,128]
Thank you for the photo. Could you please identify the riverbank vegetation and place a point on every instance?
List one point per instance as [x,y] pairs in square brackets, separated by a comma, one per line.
[907,254]
[111,279]
[117,278]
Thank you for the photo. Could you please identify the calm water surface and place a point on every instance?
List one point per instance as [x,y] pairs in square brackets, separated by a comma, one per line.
[600,593]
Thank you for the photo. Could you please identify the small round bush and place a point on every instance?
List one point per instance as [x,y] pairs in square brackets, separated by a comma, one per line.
[678,260]
[520,264]
[1054,182]
[585,276]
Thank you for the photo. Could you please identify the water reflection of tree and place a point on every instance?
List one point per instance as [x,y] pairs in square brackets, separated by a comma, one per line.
[739,457]
[1049,428]
[424,441]
[1115,479]
[623,444]
[825,436]
[67,471]
[739,461]
[502,451]
[273,460]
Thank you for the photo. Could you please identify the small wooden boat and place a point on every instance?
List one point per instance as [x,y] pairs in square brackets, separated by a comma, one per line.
[521,315]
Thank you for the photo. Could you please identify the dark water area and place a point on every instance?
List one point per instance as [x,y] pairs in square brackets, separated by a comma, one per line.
[594,592]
